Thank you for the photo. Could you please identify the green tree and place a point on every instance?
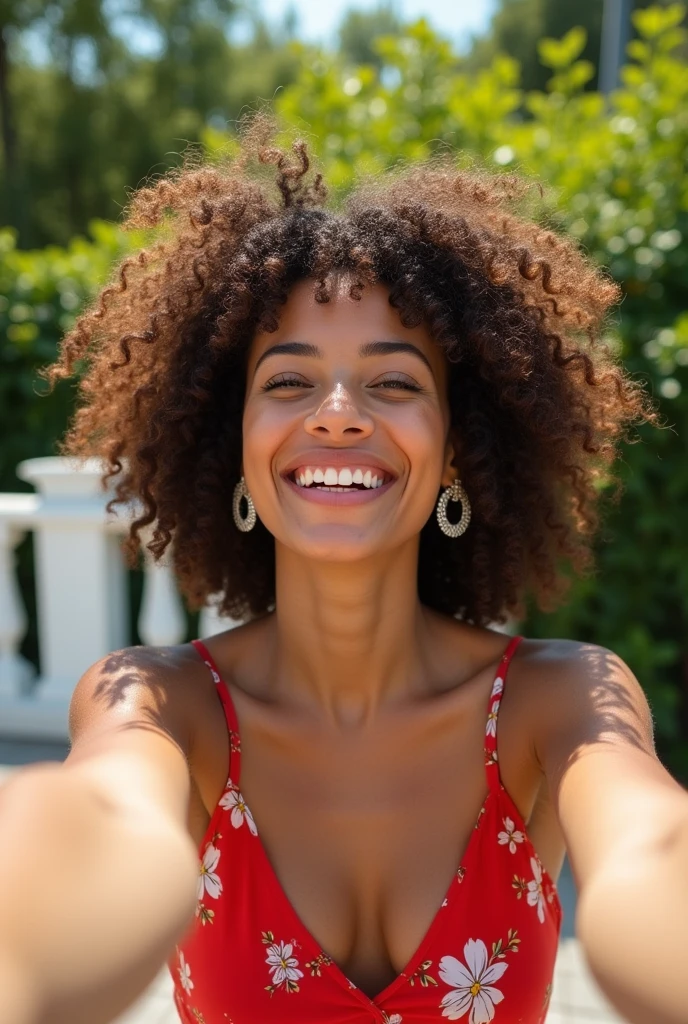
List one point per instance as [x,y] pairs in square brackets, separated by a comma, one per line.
[358,31]
[105,115]
[517,26]
[77,29]
[619,184]
[617,176]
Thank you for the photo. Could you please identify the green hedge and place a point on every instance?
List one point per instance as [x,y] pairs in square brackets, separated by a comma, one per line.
[617,167]
[41,292]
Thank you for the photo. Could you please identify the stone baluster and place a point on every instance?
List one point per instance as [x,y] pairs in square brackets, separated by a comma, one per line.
[15,671]
[161,617]
[80,574]
[211,621]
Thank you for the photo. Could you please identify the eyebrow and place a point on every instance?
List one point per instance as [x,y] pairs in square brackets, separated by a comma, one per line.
[371,348]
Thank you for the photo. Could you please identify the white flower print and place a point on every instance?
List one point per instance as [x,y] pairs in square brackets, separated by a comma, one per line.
[511,836]
[282,965]
[536,897]
[185,974]
[240,812]
[395,1018]
[473,984]
[208,880]
[491,729]
[497,687]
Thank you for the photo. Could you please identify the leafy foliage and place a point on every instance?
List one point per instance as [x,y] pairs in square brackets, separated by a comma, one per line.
[517,26]
[614,171]
[41,293]
[95,116]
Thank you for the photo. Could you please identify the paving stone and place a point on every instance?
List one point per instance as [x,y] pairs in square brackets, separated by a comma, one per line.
[575,991]
[155,1006]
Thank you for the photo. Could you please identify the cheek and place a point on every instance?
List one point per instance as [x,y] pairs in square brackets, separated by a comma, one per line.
[420,431]
[264,430]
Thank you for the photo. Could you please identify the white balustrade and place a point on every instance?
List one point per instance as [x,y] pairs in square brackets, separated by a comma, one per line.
[161,617]
[15,671]
[81,593]
[211,621]
[80,574]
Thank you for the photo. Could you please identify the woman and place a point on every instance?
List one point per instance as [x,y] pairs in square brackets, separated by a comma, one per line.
[374,433]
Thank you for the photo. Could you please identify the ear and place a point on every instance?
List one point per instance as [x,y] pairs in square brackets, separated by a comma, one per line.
[449,469]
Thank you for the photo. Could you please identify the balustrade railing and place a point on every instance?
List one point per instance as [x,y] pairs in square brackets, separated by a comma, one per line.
[81,593]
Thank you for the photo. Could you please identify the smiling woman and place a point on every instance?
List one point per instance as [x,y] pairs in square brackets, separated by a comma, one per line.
[375,431]
[358,426]
[509,311]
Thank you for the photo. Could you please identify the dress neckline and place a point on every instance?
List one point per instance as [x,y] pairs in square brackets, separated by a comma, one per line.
[305,937]
[493,704]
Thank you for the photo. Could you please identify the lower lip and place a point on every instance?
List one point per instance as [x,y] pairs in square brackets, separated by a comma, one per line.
[339,498]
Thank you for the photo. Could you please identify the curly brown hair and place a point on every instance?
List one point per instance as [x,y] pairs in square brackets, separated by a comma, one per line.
[538,401]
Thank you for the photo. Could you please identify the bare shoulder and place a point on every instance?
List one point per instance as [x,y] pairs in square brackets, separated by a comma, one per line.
[154,685]
[593,737]
[133,718]
[580,694]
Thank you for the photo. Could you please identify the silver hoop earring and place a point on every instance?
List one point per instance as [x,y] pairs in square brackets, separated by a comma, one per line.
[249,521]
[454,493]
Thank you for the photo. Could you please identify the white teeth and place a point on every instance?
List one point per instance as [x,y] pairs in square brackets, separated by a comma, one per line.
[331,478]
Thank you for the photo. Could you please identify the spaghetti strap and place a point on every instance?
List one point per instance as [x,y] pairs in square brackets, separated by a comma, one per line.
[495,699]
[251,957]
[234,769]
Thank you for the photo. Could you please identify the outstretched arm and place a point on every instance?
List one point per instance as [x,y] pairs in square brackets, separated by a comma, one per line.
[97,870]
[625,820]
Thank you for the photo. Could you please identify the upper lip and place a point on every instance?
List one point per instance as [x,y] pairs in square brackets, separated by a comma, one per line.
[338,457]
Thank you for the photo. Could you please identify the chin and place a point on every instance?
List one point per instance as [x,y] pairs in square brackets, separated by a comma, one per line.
[341,544]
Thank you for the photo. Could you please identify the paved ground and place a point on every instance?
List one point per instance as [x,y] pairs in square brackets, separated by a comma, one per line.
[575,999]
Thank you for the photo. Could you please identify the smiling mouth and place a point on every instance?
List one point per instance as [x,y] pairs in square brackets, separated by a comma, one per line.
[346,479]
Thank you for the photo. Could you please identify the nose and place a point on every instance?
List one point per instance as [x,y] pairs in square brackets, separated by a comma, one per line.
[338,415]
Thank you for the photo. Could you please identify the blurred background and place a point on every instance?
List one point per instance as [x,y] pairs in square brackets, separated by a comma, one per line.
[590,96]
[97,96]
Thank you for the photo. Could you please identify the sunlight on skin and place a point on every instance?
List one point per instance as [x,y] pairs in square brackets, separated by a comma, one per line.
[362,405]
[347,564]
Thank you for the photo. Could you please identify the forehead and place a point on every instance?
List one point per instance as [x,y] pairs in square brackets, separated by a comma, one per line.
[344,323]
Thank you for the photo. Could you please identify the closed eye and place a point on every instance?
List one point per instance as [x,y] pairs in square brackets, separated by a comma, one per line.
[398,384]
[285,380]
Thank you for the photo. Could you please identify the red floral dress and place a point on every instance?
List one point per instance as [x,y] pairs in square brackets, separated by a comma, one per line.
[487,955]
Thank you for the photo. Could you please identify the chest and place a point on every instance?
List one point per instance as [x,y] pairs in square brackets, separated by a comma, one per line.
[362,834]
[251,958]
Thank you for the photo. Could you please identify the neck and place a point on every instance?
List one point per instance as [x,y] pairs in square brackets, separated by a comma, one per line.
[350,638]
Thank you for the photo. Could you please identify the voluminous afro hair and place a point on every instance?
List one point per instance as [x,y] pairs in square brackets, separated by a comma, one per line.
[538,401]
